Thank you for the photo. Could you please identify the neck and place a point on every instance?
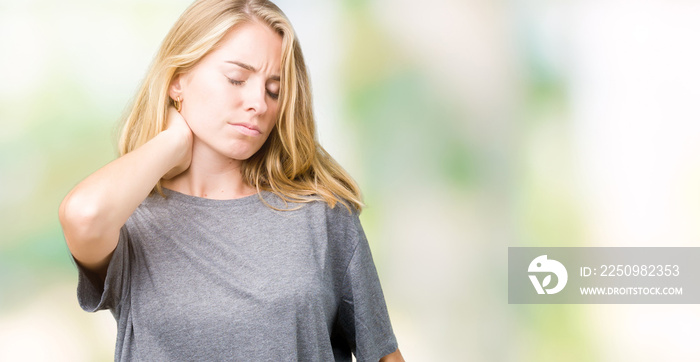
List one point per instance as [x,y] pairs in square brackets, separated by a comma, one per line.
[211,175]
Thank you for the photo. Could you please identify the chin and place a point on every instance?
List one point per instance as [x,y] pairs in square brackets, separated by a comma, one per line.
[241,155]
[238,156]
[240,150]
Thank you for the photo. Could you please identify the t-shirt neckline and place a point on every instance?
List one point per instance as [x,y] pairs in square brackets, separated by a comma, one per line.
[203,201]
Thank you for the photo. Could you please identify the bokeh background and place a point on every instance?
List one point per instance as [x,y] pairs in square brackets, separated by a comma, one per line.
[471,125]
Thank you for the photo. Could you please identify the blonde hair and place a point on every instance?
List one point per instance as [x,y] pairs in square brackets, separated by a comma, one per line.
[291,163]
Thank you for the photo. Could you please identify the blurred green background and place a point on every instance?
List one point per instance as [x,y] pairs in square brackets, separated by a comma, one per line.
[471,125]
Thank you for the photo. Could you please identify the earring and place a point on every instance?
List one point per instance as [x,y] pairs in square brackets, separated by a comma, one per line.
[178,103]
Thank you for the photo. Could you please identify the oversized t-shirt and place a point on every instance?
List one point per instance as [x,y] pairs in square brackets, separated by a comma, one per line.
[195,279]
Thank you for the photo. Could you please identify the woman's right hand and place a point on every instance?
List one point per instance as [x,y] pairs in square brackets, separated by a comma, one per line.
[93,213]
[178,128]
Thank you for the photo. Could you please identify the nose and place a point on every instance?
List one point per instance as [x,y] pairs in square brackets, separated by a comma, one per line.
[255,100]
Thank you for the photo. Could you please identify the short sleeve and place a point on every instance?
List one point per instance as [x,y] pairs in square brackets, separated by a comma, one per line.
[93,295]
[363,316]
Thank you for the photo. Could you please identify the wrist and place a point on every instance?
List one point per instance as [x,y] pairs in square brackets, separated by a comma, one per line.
[179,143]
[179,150]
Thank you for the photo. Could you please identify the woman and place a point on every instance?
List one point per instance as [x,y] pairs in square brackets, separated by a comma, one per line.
[224,231]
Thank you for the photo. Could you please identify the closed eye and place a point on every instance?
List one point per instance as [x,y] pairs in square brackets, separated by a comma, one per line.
[272,94]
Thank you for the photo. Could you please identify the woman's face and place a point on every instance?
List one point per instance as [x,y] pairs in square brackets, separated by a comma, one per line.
[229,99]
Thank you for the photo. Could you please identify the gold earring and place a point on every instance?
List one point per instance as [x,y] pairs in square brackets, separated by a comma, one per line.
[178,104]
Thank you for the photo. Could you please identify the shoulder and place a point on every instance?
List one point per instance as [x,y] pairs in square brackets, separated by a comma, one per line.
[339,214]
[340,224]
[312,206]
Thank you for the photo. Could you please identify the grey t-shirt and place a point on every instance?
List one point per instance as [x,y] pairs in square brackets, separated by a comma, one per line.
[196,279]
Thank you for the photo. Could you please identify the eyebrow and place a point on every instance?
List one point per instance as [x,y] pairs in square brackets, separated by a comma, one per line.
[250,68]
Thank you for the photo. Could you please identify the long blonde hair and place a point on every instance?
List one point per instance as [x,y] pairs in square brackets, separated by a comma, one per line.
[291,163]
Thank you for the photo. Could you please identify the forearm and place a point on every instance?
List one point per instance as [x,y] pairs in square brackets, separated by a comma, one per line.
[94,211]
[393,357]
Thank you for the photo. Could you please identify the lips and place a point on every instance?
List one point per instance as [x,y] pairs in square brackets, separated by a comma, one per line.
[247,129]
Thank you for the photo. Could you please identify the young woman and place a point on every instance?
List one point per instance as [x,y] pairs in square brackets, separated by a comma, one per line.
[224,231]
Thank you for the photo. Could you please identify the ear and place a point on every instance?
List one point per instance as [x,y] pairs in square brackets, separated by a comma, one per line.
[175,89]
